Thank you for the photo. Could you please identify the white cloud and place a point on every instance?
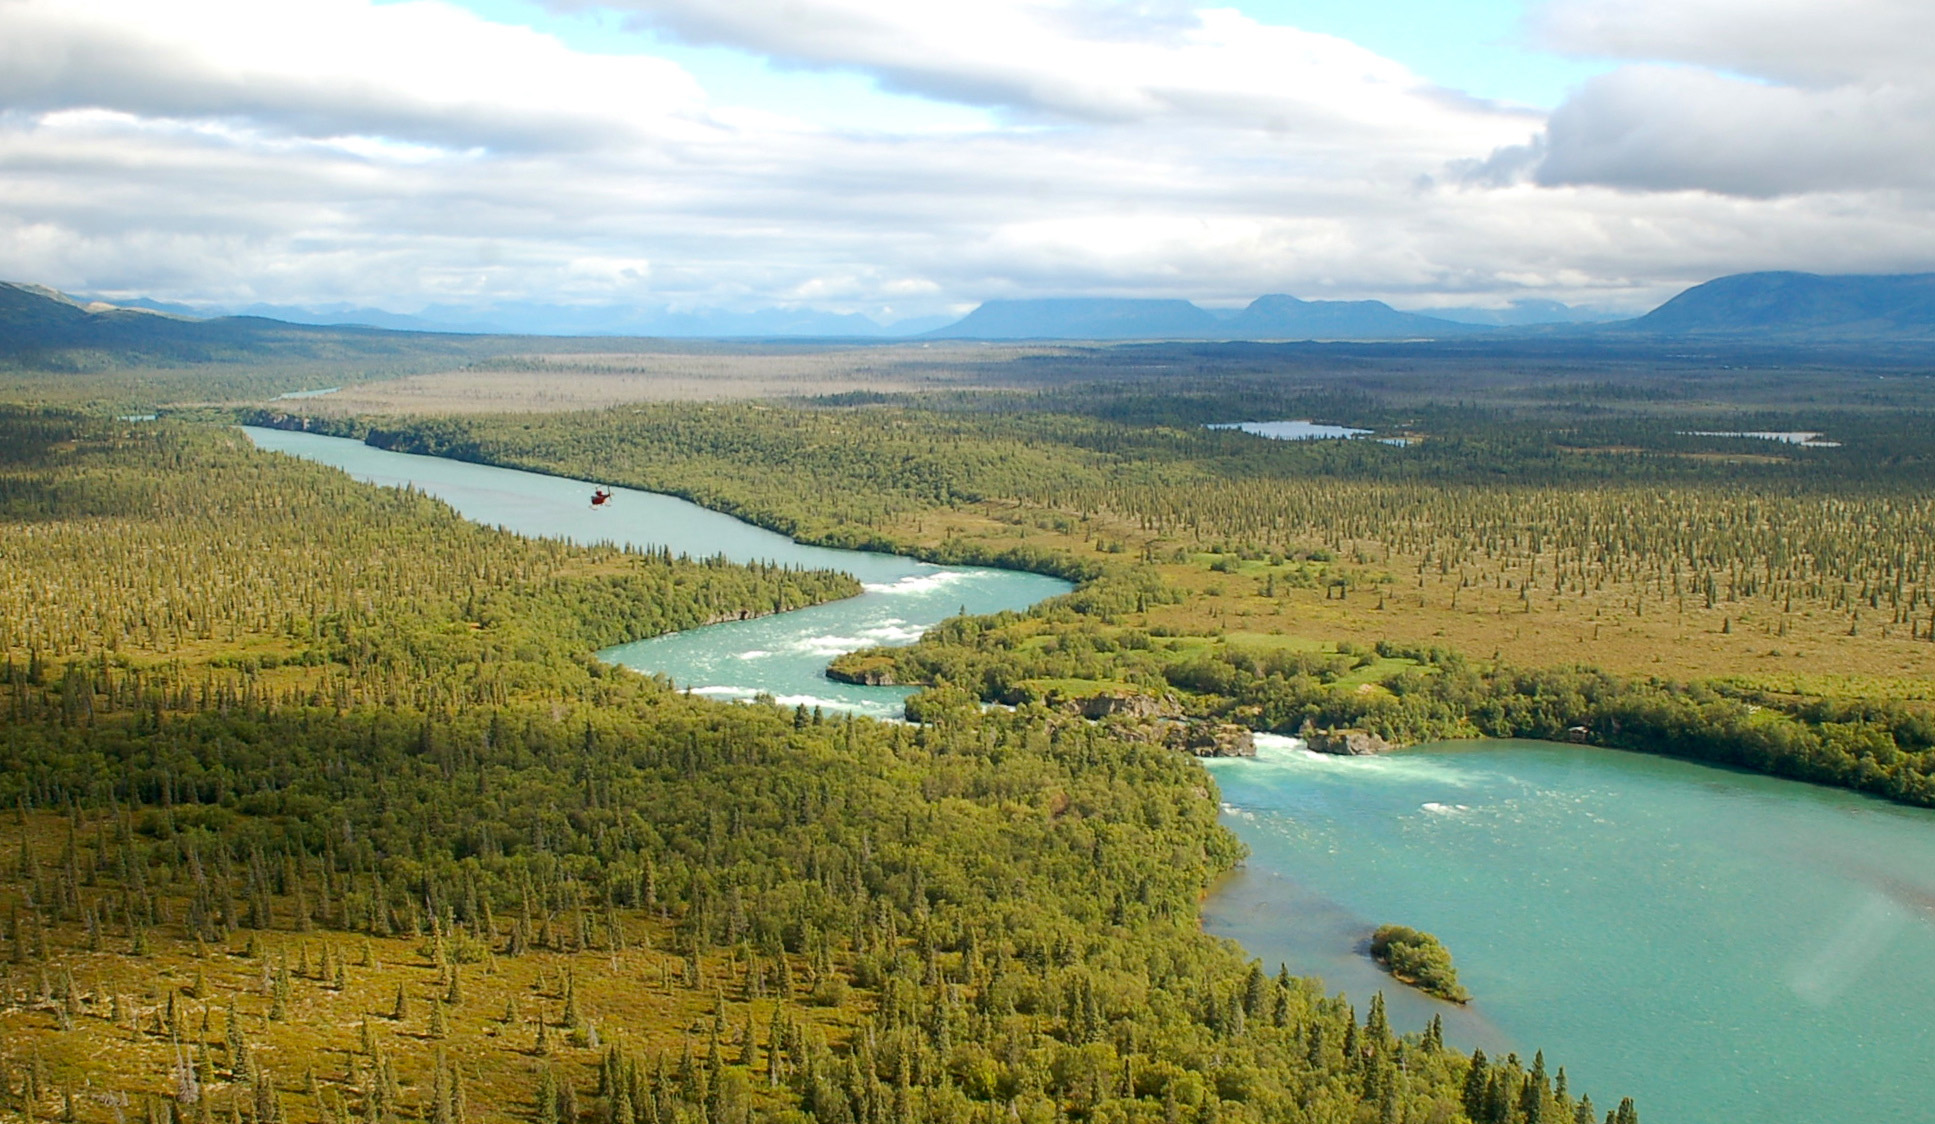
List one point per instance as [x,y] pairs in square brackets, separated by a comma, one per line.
[1802,42]
[420,71]
[408,154]
[1764,97]
[1669,128]
[1093,61]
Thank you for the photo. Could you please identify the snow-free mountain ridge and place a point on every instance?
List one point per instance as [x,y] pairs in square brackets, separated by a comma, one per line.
[1897,306]
[1273,317]
[1784,307]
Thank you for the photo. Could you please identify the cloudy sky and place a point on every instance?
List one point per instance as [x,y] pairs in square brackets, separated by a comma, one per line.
[901,158]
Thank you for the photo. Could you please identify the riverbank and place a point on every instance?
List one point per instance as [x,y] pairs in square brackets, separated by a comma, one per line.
[1158,525]
[1374,699]
[779,655]
[418,441]
[967,723]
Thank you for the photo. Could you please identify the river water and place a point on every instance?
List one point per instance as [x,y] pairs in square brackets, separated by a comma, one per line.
[1723,947]
[1719,945]
[784,655]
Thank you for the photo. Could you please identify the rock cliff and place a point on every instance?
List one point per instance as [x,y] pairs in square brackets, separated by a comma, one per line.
[1346,743]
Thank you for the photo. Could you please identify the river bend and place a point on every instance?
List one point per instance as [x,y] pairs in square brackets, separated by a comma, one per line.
[1723,947]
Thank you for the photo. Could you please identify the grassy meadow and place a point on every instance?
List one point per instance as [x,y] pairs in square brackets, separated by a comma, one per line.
[106,1027]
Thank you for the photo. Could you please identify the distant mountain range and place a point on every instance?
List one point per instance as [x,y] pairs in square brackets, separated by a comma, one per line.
[530,318]
[38,322]
[1090,318]
[537,319]
[1784,307]
[1524,313]
[1272,317]
[1789,308]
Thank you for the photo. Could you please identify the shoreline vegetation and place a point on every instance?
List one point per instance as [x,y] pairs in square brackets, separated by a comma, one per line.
[1418,959]
[1876,748]
[322,811]
[1150,617]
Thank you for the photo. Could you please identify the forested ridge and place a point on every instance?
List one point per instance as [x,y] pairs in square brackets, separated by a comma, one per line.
[322,811]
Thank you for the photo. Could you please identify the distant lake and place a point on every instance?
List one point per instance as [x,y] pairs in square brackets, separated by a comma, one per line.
[1292,430]
[1810,438]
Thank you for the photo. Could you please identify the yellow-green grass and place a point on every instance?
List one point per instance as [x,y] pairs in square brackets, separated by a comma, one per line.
[636,998]
[555,383]
[1480,613]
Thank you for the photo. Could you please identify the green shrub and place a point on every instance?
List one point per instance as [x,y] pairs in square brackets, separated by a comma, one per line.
[1417,958]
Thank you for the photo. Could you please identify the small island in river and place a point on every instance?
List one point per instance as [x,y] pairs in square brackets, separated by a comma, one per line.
[1418,959]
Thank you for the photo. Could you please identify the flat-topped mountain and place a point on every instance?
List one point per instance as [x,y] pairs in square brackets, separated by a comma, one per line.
[1802,305]
[1282,317]
[1083,318]
[1274,317]
[1792,308]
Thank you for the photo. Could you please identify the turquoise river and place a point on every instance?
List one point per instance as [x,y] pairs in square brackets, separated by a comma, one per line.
[1722,947]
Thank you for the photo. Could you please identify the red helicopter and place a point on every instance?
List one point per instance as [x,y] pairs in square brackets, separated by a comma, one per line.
[600,498]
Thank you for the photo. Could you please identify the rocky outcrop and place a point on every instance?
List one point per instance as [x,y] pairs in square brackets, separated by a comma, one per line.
[1221,739]
[1346,743]
[1128,704]
[867,671]
[1158,720]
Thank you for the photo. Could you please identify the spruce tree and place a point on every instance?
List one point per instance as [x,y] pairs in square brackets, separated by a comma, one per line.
[1477,1080]
[1377,1028]
[547,1097]
[1253,991]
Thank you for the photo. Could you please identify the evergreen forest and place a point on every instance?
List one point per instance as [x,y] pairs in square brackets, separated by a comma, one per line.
[319,809]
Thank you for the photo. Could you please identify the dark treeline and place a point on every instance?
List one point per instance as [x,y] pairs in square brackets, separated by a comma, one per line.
[1427,694]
